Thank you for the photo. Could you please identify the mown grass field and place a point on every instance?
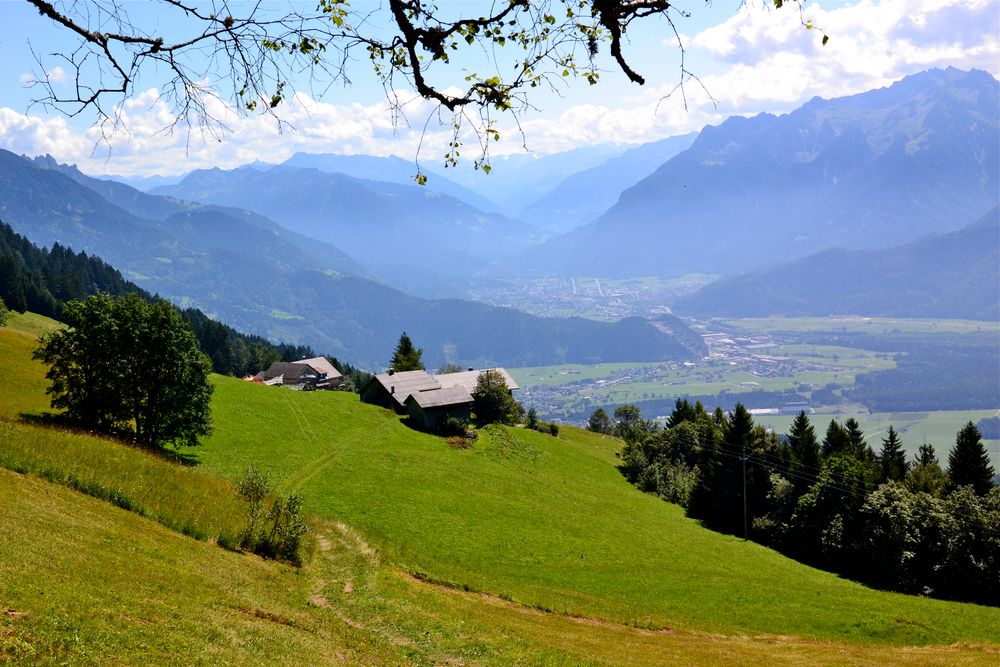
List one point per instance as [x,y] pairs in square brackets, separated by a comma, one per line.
[530,524]
[550,523]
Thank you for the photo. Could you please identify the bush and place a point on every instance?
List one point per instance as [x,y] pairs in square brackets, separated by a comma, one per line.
[553,429]
[451,427]
[276,532]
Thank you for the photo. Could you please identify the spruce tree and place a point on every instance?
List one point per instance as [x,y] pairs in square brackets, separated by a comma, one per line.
[805,452]
[835,440]
[969,463]
[892,457]
[856,445]
[406,357]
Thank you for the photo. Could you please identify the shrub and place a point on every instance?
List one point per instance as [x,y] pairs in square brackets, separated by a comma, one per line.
[452,426]
[553,429]
[276,532]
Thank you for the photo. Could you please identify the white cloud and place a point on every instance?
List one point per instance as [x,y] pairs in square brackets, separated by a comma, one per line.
[758,59]
[772,60]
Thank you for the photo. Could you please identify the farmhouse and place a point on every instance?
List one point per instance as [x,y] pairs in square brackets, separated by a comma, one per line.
[390,390]
[429,408]
[329,376]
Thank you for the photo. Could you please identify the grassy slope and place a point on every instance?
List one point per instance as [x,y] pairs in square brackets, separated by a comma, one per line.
[550,523]
[87,583]
[84,581]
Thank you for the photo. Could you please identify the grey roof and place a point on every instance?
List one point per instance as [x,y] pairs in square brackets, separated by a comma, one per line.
[402,384]
[468,379]
[440,398]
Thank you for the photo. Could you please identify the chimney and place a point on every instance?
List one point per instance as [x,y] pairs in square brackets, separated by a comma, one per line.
[392,371]
[392,390]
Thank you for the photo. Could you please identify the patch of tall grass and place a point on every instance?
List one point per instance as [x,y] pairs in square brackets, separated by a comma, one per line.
[179,497]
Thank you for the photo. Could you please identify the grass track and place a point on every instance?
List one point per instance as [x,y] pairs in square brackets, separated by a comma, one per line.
[550,523]
[87,583]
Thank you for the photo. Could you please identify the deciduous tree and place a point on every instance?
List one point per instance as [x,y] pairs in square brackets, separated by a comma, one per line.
[493,402]
[128,367]
[252,56]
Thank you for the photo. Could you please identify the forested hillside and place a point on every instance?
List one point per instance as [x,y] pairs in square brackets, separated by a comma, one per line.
[42,281]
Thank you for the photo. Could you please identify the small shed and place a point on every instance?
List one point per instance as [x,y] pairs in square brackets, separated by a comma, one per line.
[429,408]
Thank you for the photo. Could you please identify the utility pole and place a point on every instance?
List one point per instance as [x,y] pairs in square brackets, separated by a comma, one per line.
[744,461]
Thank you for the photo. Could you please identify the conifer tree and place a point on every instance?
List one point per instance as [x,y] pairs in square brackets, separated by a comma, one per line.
[856,446]
[892,458]
[805,452]
[969,463]
[406,357]
[835,440]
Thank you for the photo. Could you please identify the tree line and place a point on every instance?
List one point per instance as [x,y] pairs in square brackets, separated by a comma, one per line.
[909,526]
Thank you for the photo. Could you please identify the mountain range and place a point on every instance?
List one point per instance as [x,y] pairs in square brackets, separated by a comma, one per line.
[377,222]
[866,171]
[250,272]
[586,194]
[954,275]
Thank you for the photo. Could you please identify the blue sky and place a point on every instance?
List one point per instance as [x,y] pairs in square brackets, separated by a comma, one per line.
[750,57]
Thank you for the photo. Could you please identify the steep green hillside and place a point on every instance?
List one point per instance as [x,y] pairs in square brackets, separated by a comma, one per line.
[549,522]
[525,517]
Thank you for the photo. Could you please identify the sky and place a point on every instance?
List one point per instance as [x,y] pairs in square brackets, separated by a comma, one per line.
[749,58]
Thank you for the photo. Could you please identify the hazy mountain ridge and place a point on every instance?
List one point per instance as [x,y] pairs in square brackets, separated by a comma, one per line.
[866,171]
[584,195]
[374,221]
[244,270]
[955,275]
[390,169]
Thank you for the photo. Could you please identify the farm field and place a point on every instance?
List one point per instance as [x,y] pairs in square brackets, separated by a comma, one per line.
[523,549]
[869,325]
[768,362]
[572,391]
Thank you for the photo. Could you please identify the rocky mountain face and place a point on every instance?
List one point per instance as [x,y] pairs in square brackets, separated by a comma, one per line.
[861,172]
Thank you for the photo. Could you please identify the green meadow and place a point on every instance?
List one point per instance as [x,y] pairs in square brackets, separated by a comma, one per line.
[548,523]
[521,549]
[870,325]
